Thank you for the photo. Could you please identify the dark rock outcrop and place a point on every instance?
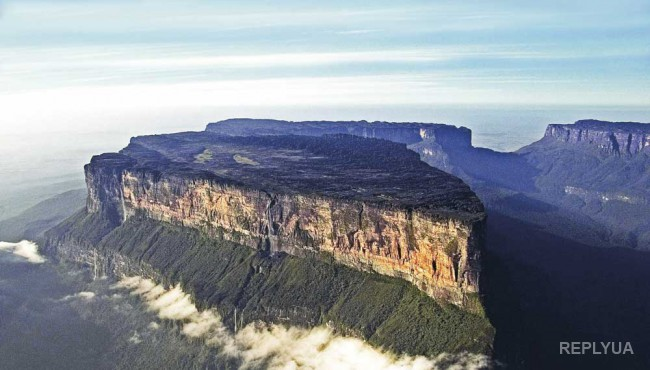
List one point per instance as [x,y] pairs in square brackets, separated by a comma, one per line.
[104,183]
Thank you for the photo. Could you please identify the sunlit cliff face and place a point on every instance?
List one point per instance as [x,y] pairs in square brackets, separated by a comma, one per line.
[370,204]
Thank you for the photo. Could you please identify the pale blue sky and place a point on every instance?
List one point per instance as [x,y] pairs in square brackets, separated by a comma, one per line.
[60,60]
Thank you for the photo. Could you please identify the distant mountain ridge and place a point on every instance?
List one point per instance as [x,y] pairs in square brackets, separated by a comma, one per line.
[593,176]
[614,138]
[31,223]
[400,132]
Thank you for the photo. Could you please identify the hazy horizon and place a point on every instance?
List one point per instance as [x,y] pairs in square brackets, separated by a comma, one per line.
[102,65]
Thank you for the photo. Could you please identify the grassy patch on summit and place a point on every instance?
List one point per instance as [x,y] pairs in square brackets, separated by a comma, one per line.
[244,160]
[203,157]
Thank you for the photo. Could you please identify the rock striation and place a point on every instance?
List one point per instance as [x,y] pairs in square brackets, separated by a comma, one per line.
[369,204]
[612,138]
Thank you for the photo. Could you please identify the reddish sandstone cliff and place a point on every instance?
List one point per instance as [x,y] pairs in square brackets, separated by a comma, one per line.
[438,250]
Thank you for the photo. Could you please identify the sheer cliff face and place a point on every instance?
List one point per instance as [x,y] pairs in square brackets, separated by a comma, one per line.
[427,231]
[440,256]
[104,183]
[613,138]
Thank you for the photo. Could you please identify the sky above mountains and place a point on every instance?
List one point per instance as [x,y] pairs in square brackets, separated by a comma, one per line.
[65,59]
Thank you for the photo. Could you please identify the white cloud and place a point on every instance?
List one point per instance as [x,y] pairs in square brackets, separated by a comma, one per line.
[280,347]
[113,59]
[25,249]
[135,338]
[80,295]
[356,32]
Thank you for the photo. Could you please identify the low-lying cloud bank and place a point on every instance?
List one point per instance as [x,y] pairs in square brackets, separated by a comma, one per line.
[279,347]
[25,249]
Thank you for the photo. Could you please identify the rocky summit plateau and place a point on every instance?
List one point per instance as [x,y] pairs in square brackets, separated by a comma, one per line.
[354,225]
[354,232]
[371,203]
[614,138]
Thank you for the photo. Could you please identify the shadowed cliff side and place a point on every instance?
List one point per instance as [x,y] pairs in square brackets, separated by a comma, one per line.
[541,289]
[587,181]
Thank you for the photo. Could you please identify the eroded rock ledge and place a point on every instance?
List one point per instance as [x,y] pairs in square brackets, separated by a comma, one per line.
[371,204]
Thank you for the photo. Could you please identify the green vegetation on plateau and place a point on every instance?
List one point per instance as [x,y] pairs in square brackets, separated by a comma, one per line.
[244,160]
[203,157]
[388,312]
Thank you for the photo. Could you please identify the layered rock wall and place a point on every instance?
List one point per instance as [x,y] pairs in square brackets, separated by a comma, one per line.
[441,256]
[612,138]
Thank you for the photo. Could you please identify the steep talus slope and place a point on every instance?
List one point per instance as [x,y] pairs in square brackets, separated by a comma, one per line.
[280,288]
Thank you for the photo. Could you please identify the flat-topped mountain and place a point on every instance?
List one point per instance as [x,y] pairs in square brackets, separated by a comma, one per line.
[616,138]
[371,203]
[339,166]
[400,132]
[214,210]
[599,125]
[337,229]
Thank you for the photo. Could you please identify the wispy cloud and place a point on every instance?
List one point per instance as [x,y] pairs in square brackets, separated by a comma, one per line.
[281,347]
[80,295]
[24,249]
[356,32]
[297,54]
[30,68]
[167,57]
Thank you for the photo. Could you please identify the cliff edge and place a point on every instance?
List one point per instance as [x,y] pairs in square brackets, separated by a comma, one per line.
[613,138]
[370,204]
